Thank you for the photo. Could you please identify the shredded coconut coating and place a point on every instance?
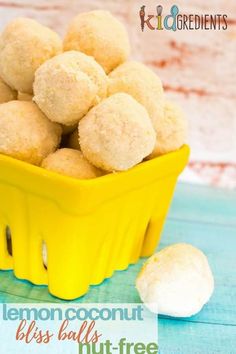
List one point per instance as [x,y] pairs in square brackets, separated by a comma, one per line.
[24,46]
[26,133]
[68,85]
[176,281]
[99,34]
[116,134]
[141,83]
[89,66]
[71,163]
[171,130]
[6,92]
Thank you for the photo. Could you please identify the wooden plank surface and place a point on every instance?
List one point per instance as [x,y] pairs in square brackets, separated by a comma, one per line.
[204,217]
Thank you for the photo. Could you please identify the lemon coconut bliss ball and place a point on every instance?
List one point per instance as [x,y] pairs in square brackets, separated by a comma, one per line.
[176,281]
[24,45]
[99,34]
[68,85]
[116,134]
[71,163]
[26,133]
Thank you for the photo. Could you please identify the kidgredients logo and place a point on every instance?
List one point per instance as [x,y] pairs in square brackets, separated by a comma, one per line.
[175,20]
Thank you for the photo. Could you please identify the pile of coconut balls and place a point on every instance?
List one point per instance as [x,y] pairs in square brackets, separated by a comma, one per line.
[80,107]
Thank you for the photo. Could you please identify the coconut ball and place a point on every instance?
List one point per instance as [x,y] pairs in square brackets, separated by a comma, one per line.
[73,141]
[26,133]
[68,85]
[99,34]
[71,163]
[116,134]
[141,83]
[89,66]
[24,46]
[177,281]
[6,92]
[24,96]
[171,130]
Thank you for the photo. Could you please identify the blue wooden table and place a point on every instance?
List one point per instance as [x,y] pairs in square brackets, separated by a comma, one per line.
[204,217]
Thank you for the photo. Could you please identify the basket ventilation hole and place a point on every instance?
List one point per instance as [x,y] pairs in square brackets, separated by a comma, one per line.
[45,255]
[9,240]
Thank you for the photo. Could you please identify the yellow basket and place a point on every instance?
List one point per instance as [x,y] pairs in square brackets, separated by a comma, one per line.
[91,227]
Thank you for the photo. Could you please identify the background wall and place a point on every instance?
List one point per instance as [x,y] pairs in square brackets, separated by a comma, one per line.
[198,70]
